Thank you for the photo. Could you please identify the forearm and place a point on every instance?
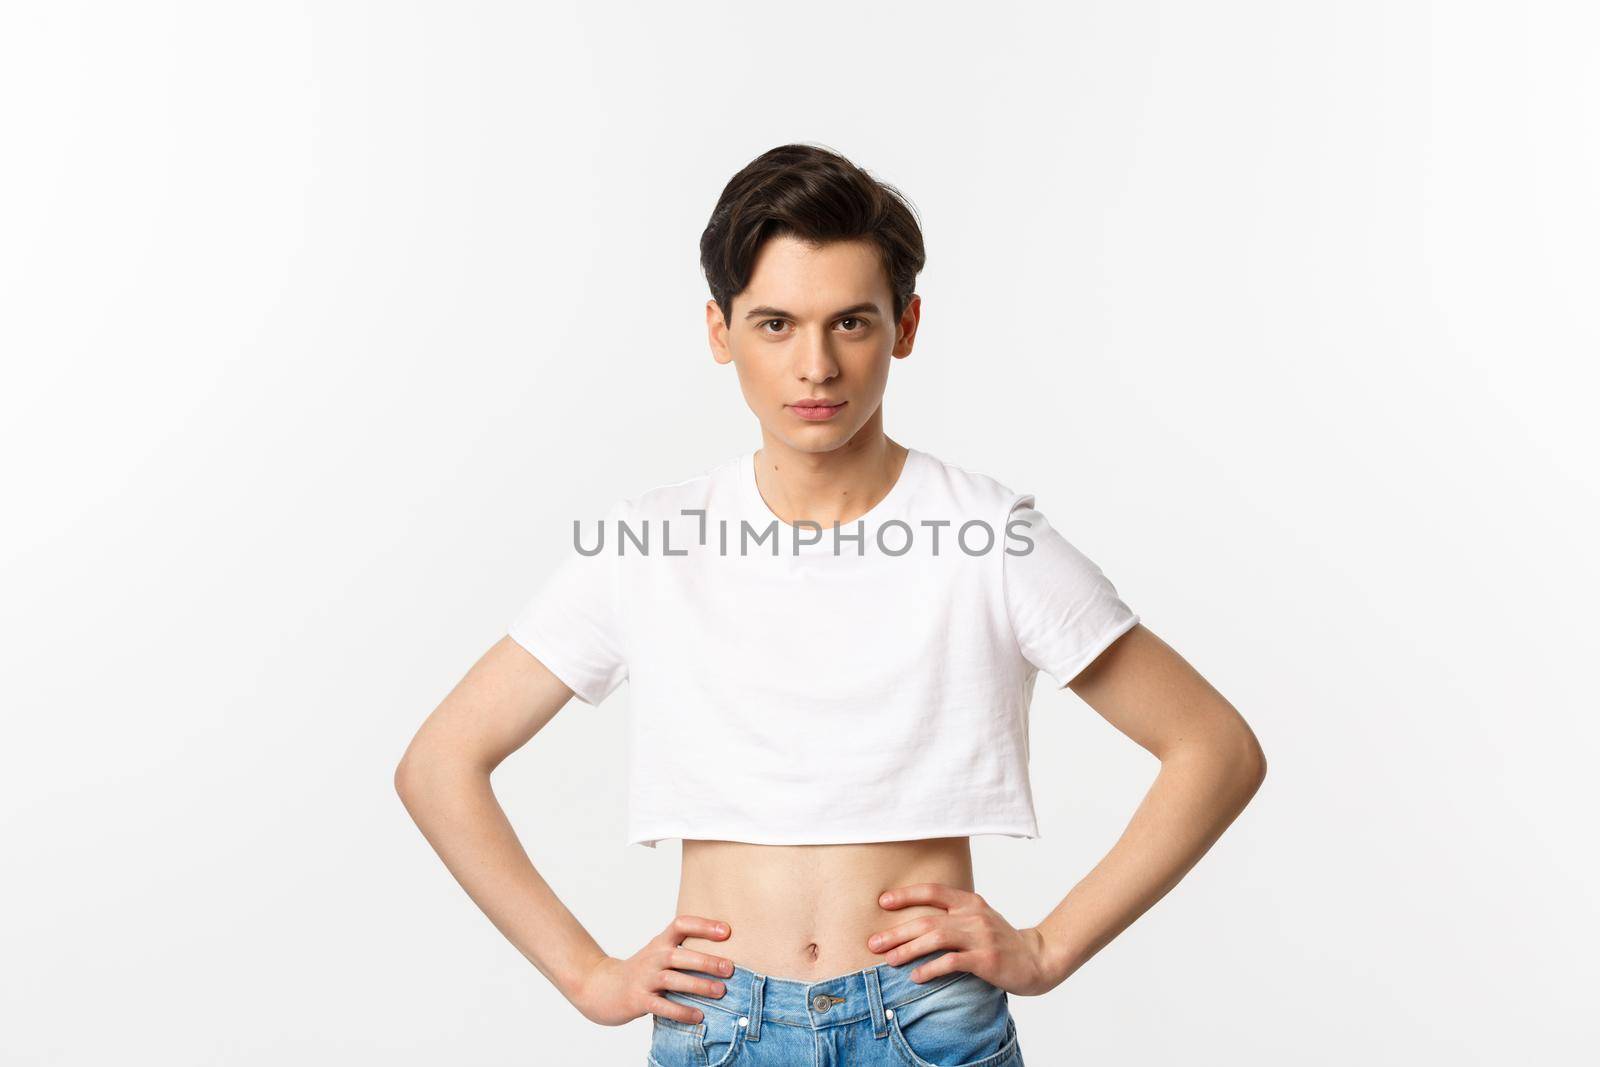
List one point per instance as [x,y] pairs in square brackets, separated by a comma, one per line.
[1199,791]
[455,807]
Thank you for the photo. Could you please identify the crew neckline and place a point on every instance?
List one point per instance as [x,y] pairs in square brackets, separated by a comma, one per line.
[875,514]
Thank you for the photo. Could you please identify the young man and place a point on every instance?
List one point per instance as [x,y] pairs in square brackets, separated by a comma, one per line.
[832,642]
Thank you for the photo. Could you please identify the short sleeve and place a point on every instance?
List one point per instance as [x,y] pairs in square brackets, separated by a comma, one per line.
[1064,611]
[572,623]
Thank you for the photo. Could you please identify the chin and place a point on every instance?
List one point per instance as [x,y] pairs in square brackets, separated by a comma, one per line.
[823,437]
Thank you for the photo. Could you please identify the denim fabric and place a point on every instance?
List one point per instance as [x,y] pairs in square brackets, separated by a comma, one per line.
[874,1017]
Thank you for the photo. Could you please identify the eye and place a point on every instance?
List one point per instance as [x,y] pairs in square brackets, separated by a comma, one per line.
[852,318]
[768,322]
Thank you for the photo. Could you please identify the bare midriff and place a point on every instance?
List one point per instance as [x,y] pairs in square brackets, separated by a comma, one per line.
[804,912]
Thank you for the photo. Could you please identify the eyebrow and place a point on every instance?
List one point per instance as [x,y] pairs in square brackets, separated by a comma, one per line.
[766,311]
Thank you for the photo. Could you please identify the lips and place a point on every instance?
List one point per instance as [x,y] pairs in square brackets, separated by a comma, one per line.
[813,410]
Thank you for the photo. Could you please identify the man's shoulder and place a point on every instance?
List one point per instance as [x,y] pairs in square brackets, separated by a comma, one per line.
[667,499]
[968,488]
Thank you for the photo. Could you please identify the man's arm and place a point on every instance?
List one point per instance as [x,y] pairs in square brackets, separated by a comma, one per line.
[1211,765]
[443,779]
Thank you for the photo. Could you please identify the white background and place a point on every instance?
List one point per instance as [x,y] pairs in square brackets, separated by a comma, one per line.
[322,321]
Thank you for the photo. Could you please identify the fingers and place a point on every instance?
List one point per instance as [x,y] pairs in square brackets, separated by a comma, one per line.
[950,961]
[683,926]
[935,938]
[941,896]
[670,978]
[671,1009]
[679,982]
[885,940]
[689,960]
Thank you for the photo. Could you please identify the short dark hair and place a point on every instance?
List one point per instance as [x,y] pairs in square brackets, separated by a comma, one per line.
[816,195]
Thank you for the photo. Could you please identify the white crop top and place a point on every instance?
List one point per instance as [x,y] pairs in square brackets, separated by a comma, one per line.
[793,687]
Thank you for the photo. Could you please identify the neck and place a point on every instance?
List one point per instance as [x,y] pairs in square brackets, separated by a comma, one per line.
[824,487]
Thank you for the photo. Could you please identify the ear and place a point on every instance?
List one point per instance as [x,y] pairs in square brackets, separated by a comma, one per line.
[906,333]
[717,333]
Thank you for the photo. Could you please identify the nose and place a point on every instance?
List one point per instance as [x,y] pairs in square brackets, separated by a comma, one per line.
[815,363]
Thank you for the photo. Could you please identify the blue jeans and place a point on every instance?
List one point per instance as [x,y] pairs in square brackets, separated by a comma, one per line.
[875,1017]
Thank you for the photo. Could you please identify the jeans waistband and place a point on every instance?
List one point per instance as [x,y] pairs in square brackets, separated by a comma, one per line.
[837,1001]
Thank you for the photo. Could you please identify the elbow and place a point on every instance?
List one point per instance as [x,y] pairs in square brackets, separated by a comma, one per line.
[1250,763]
[1232,758]
[424,774]
[410,775]
[404,779]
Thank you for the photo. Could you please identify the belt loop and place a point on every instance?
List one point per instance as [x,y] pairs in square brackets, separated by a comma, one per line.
[880,1025]
[757,985]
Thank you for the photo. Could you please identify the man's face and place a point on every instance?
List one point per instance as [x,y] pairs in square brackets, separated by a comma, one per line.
[814,323]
